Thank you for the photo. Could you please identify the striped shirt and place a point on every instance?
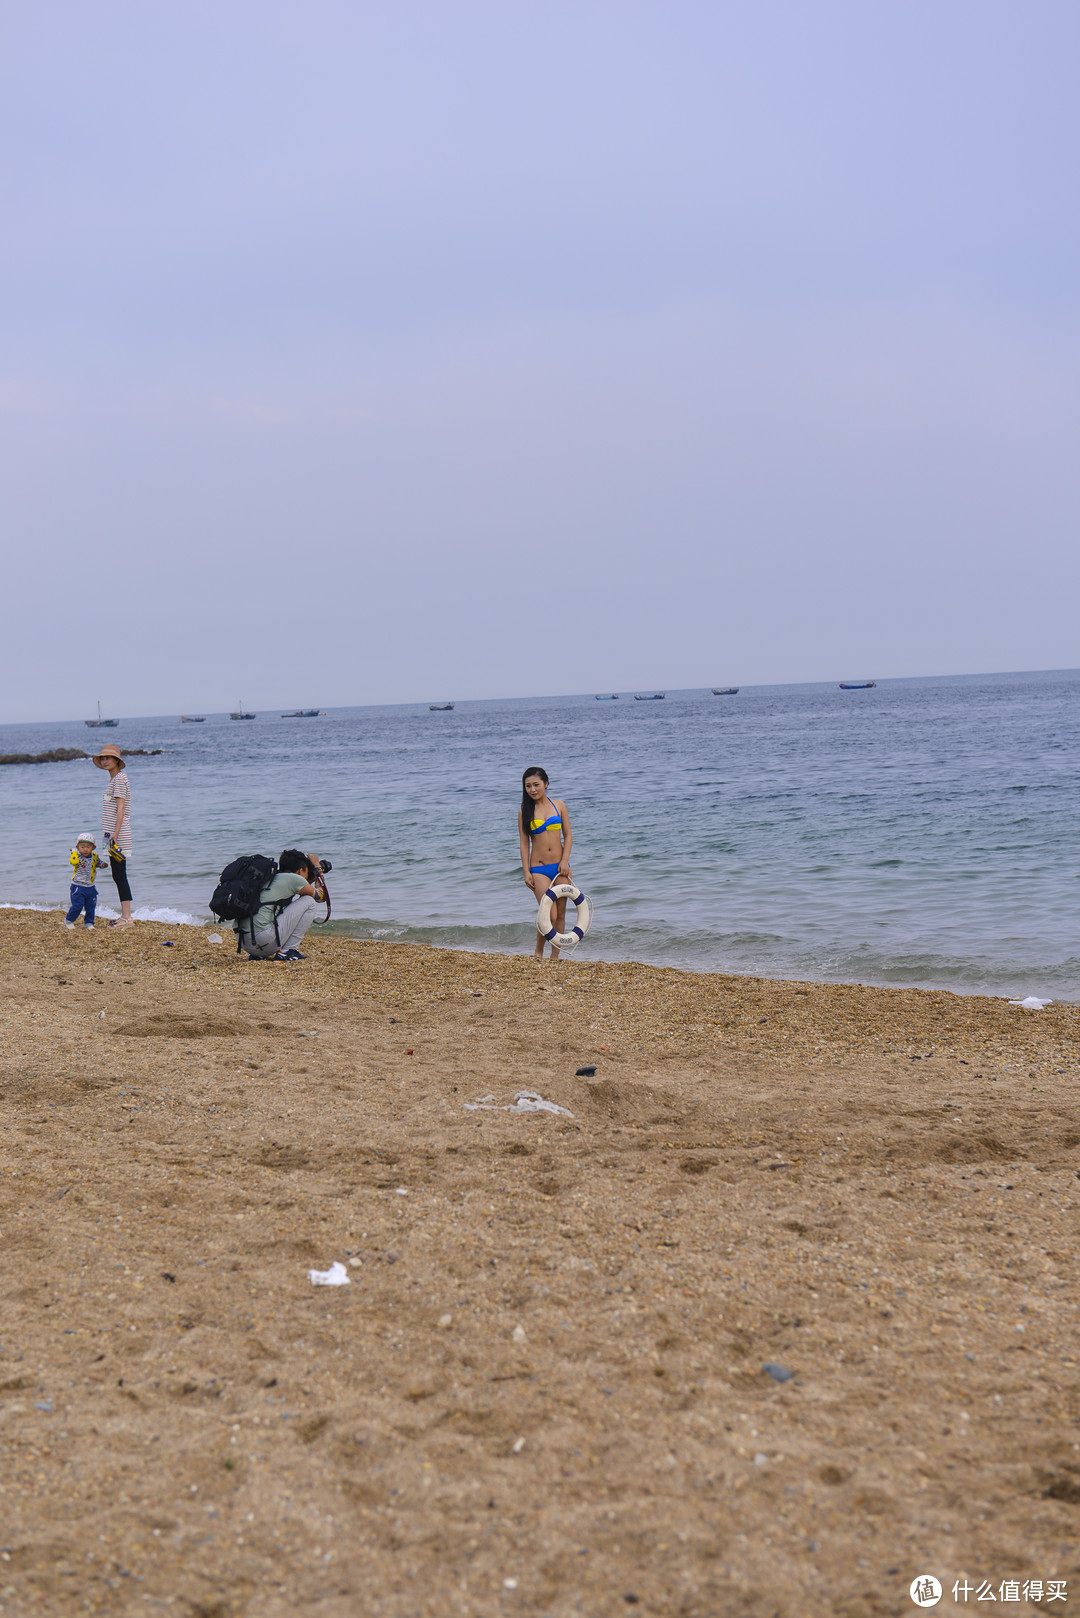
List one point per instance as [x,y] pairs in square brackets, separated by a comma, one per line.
[117,797]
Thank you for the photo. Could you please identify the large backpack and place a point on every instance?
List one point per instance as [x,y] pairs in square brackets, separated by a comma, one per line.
[237,895]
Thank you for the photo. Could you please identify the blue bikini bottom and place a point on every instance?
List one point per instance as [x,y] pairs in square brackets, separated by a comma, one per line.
[544,870]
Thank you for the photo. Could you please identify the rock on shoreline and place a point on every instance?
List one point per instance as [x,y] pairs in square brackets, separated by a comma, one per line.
[61,755]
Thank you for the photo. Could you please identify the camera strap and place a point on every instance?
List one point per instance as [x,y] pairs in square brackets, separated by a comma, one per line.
[326,897]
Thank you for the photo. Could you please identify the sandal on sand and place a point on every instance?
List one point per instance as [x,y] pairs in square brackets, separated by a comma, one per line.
[120,922]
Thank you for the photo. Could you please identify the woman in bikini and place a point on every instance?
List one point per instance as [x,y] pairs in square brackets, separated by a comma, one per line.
[545,823]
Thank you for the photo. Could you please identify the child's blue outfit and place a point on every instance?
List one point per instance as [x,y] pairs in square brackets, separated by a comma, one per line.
[84,895]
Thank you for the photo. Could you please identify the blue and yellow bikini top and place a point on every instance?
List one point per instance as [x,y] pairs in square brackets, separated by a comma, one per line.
[535,827]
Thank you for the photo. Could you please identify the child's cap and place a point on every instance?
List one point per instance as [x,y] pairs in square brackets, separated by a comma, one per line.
[85,837]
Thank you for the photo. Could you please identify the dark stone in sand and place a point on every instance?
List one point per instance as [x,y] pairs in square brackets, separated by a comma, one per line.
[779,1373]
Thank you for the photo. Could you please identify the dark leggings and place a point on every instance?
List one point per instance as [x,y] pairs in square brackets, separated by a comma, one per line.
[119,876]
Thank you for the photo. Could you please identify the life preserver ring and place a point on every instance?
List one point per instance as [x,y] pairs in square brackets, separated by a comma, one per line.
[564,890]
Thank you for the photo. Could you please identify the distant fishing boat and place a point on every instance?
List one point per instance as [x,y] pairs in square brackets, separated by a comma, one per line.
[614,697]
[725,690]
[305,713]
[440,707]
[99,723]
[857,685]
[241,714]
[657,696]
[193,719]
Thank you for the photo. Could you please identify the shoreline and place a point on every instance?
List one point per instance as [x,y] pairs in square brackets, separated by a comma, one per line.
[573,961]
[548,1364]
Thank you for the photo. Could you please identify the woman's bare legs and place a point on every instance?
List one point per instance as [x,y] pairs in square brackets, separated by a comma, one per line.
[541,884]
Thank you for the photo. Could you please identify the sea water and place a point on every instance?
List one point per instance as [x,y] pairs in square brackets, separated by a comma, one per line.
[923,832]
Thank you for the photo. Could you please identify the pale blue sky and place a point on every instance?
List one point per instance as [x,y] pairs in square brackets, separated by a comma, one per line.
[560,347]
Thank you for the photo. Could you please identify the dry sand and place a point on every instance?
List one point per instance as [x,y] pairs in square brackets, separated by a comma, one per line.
[543,1391]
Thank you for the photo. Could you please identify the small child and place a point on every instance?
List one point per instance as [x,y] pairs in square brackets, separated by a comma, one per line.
[84,895]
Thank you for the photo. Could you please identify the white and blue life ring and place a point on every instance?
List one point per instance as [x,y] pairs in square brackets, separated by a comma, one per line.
[569,940]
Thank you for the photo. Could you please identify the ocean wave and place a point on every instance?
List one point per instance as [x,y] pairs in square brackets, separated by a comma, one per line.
[753,954]
[497,936]
[165,913]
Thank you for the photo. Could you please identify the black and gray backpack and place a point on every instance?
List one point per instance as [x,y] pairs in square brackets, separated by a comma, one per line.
[237,895]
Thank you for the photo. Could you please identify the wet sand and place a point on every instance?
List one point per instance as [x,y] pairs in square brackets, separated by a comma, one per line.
[542,1391]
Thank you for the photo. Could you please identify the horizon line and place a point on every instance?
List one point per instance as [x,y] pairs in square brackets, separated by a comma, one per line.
[274,709]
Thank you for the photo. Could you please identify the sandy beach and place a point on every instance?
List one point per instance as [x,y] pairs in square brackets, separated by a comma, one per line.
[543,1389]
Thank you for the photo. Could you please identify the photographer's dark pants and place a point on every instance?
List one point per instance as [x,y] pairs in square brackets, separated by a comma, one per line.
[82,899]
[119,876]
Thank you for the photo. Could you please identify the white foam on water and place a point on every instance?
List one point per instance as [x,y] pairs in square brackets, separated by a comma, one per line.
[165,913]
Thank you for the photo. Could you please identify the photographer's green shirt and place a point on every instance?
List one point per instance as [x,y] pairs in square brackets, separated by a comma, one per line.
[283,887]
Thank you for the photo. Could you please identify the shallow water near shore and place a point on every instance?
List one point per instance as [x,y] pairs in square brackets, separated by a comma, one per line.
[923,832]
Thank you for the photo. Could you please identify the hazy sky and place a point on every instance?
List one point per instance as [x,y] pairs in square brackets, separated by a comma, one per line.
[361,352]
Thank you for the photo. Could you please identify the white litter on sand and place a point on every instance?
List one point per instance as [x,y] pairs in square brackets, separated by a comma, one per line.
[524,1101]
[1031,1003]
[336,1276]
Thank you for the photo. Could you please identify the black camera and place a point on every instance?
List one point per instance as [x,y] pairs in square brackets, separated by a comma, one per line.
[325,865]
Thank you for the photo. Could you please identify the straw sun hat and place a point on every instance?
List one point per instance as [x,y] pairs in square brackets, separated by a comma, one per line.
[108,751]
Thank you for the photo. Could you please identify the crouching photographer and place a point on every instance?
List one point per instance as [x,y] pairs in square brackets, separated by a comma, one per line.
[286,909]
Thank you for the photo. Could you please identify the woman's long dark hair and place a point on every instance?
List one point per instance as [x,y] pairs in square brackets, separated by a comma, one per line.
[527,805]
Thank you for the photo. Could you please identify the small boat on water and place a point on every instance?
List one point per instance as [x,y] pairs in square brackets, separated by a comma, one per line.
[857,685]
[241,714]
[657,696]
[614,697]
[193,719]
[440,707]
[725,690]
[99,723]
[305,713]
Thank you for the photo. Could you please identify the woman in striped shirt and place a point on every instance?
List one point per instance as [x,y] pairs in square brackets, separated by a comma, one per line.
[116,825]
